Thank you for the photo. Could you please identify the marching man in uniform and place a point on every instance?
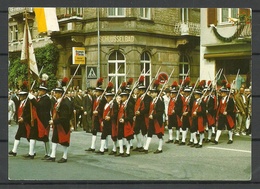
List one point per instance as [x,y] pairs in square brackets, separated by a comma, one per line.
[141,109]
[97,114]
[224,114]
[61,125]
[125,123]
[210,110]
[43,109]
[106,123]
[174,113]
[155,119]
[24,119]
[197,113]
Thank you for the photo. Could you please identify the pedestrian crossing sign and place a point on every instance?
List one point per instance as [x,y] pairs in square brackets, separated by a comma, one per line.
[92,72]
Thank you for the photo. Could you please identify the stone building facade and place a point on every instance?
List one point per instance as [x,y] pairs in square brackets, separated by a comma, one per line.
[131,39]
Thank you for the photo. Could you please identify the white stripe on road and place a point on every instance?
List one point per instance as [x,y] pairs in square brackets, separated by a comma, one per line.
[229,149]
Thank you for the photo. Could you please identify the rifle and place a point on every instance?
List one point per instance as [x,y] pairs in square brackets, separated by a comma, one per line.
[182,84]
[143,95]
[102,95]
[232,84]
[189,97]
[64,93]
[161,91]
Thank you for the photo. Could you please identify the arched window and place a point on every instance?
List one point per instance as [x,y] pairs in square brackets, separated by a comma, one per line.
[145,67]
[184,66]
[116,68]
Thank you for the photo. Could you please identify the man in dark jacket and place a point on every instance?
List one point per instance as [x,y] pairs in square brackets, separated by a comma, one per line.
[43,109]
[61,125]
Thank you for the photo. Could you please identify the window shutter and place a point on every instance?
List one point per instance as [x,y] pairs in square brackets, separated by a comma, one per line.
[212,16]
[244,11]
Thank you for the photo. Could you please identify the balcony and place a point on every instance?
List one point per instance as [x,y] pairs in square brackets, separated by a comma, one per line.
[246,32]
[188,28]
[37,43]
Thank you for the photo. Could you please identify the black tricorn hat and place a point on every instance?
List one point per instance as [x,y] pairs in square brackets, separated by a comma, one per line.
[99,84]
[155,86]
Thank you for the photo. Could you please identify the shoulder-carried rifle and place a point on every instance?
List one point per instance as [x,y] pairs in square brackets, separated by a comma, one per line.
[159,95]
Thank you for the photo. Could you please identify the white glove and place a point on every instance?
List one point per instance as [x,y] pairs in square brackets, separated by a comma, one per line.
[31,96]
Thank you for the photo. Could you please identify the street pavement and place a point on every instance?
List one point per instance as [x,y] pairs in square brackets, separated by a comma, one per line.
[222,162]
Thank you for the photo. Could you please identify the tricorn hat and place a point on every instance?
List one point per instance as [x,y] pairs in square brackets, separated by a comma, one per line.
[99,84]
[155,86]
[109,90]
[141,83]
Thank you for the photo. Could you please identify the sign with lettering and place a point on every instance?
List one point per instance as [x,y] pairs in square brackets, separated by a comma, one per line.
[91,72]
[78,55]
[117,39]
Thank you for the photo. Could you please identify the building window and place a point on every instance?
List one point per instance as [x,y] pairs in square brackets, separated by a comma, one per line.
[145,13]
[116,68]
[184,67]
[116,12]
[14,33]
[145,67]
[74,11]
[226,13]
[184,15]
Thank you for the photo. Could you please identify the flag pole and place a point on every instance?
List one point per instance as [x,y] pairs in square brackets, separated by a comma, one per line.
[26,41]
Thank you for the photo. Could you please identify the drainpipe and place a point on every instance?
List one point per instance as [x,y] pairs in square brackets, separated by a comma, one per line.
[98,42]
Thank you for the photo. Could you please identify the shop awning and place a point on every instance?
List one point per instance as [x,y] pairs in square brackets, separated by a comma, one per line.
[236,55]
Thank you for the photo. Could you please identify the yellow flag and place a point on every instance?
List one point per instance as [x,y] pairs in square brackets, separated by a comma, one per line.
[46,19]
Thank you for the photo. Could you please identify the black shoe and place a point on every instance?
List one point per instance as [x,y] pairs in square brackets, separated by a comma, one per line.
[62,160]
[112,153]
[143,150]
[106,150]
[157,151]
[90,150]
[50,159]
[137,149]
[194,145]
[207,140]
[182,143]
[125,155]
[11,153]
[176,142]
[190,143]
[99,152]
[169,141]
[29,156]
[45,157]
[120,154]
[230,142]
[199,146]
[215,142]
